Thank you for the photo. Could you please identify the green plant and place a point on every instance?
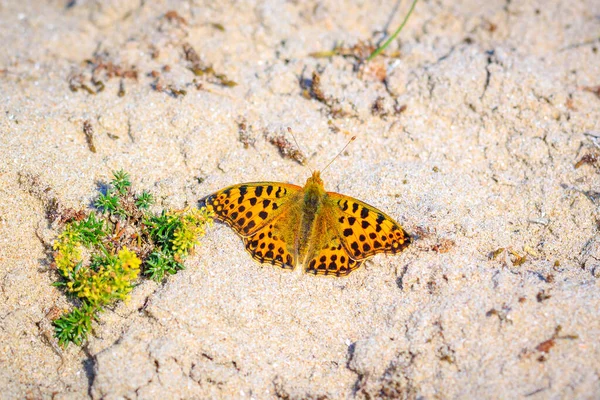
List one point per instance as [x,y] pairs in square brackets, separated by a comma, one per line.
[113,200]
[108,202]
[74,326]
[144,200]
[100,256]
[121,182]
[394,35]
[176,233]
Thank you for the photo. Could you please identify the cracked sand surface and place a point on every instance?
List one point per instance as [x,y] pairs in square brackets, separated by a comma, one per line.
[481,158]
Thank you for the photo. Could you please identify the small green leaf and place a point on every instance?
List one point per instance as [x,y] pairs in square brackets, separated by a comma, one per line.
[121,181]
[161,263]
[144,200]
[90,230]
[107,202]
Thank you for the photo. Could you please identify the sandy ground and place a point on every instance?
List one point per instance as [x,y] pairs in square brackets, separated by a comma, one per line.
[499,109]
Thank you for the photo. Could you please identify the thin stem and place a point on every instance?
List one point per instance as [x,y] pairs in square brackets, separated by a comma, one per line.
[101,246]
[391,38]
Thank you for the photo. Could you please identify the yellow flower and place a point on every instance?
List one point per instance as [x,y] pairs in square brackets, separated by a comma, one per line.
[67,251]
[110,282]
[184,238]
[129,260]
[193,223]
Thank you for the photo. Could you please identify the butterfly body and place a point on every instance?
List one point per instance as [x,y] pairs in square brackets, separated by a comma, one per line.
[284,224]
[314,197]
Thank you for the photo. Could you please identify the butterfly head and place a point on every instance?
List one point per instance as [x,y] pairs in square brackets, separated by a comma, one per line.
[315,179]
[314,193]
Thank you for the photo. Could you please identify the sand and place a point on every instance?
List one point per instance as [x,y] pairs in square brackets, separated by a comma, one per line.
[499,107]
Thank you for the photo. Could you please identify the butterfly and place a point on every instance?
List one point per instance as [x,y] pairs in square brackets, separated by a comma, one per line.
[284,224]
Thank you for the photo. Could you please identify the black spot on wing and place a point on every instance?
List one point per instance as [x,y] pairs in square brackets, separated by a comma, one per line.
[280,192]
[343,204]
[249,226]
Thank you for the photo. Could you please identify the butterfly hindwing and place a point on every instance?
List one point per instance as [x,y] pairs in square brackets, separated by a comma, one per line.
[268,245]
[364,230]
[331,260]
[250,206]
[327,255]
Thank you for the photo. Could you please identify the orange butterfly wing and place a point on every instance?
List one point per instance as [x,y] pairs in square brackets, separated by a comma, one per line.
[261,212]
[330,258]
[271,245]
[364,230]
[349,231]
[250,206]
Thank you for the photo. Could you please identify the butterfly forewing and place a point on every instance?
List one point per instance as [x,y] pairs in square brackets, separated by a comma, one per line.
[364,230]
[250,206]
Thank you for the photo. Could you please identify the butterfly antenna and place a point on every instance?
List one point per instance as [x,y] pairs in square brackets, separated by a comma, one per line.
[299,149]
[352,139]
